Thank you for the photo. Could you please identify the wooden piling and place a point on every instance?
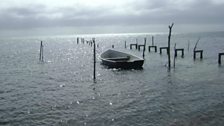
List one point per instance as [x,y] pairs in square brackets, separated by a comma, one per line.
[152,40]
[135,45]
[139,47]
[155,48]
[94,60]
[143,55]
[163,48]
[219,58]
[174,59]
[169,37]
[125,44]
[188,46]
[177,50]
[77,40]
[40,51]
[197,51]
[41,57]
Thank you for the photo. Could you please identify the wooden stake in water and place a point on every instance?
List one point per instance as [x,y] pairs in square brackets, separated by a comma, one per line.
[196,44]
[169,37]
[77,40]
[152,40]
[125,44]
[174,59]
[41,58]
[143,55]
[188,46]
[94,60]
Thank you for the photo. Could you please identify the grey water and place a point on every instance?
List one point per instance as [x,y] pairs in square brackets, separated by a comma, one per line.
[61,92]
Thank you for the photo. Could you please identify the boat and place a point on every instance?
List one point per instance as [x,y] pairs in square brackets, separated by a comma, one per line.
[116,59]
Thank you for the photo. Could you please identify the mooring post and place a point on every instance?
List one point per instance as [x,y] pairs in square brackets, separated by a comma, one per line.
[94,60]
[220,58]
[188,46]
[125,44]
[143,55]
[197,51]
[169,37]
[41,58]
[152,40]
[175,55]
[77,40]
[40,51]
[136,46]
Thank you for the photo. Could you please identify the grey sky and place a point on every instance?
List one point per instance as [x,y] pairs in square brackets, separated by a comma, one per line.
[111,15]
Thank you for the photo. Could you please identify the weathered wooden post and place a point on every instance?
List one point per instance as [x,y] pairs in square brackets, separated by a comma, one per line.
[188,46]
[143,55]
[169,37]
[77,40]
[174,60]
[219,58]
[152,40]
[125,44]
[41,57]
[94,60]
[40,50]
[197,51]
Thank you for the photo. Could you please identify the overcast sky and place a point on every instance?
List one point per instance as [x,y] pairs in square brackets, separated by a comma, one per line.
[110,16]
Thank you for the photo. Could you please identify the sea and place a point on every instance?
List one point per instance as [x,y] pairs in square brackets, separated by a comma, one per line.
[60,91]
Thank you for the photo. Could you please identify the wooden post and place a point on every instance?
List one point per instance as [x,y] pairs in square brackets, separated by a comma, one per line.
[188,46]
[196,44]
[77,40]
[143,55]
[41,57]
[152,40]
[125,44]
[197,51]
[174,60]
[94,60]
[169,37]
[220,58]
[40,51]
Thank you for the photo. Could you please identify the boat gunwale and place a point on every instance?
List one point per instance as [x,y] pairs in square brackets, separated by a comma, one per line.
[137,57]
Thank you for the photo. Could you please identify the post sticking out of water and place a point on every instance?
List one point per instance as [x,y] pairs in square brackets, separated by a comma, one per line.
[174,59]
[125,44]
[169,37]
[188,46]
[196,44]
[152,40]
[77,40]
[143,55]
[41,58]
[94,60]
